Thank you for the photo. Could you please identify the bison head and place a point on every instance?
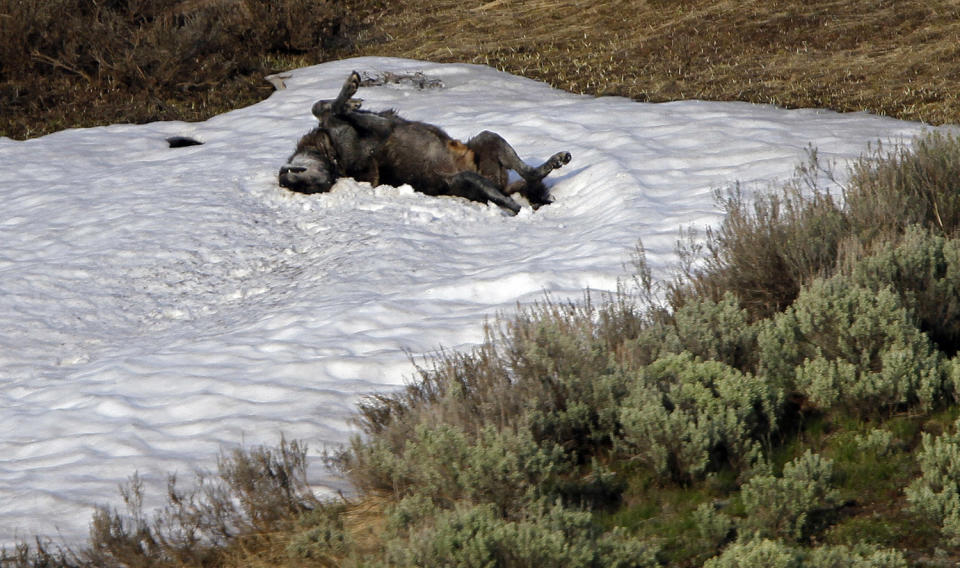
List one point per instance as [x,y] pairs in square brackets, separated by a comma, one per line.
[306,172]
[313,166]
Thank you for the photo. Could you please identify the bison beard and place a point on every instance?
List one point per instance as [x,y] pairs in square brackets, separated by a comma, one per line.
[382,148]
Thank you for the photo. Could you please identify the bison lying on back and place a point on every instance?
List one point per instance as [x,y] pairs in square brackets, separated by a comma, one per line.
[381,147]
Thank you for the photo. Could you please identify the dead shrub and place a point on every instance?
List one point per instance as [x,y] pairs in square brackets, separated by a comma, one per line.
[766,249]
[911,184]
[256,491]
[41,554]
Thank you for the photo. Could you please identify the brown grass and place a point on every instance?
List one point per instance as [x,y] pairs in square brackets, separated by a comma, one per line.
[900,59]
[895,58]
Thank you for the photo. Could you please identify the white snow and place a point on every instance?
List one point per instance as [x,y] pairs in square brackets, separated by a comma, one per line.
[158,305]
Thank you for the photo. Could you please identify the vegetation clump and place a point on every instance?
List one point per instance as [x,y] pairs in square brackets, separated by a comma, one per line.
[685,417]
[765,553]
[936,494]
[840,345]
[787,506]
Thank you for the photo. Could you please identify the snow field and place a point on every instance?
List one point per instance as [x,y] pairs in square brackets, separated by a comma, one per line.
[159,305]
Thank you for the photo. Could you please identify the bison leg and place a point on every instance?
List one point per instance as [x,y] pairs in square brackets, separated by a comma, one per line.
[478,188]
[371,123]
[495,156]
[350,86]
[323,109]
[343,103]
[490,145]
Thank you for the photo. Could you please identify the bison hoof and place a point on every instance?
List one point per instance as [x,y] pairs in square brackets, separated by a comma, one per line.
[353,83]
[559,159]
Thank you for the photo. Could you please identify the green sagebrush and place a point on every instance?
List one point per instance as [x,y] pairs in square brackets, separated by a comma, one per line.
[684,415]
[936,494]
[924,269]
[842,345]
[546,535]
[765,553]
[786,506]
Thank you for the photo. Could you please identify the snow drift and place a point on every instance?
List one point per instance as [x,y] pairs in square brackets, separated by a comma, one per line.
[158,305]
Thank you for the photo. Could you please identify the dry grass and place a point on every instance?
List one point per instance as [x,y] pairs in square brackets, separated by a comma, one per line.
[362,521]
[900,59]
[895,58]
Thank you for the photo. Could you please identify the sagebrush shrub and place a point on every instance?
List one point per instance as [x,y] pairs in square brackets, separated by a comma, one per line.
[756,553]
[862,556]
[876,442]
[766,248]
[41,554]
[924,268]
[442,463]
[765,553]
[545,536]
[912,184]
[951,377]
[715,528]
[842,345]
[565,357]
[550,370]
[255,491]
[326,540]
[786,506]
[684,417]
[936,494]
[714,330]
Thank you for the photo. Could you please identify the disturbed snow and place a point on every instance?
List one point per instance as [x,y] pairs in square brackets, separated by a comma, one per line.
[159,305]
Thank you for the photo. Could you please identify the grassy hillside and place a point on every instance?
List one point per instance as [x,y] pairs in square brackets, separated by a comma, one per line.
[793,403]
[145,60]
[894,58]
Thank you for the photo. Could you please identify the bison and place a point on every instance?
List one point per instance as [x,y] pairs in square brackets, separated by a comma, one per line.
[383,148]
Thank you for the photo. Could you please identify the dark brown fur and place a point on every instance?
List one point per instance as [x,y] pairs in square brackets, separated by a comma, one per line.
[382,148]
